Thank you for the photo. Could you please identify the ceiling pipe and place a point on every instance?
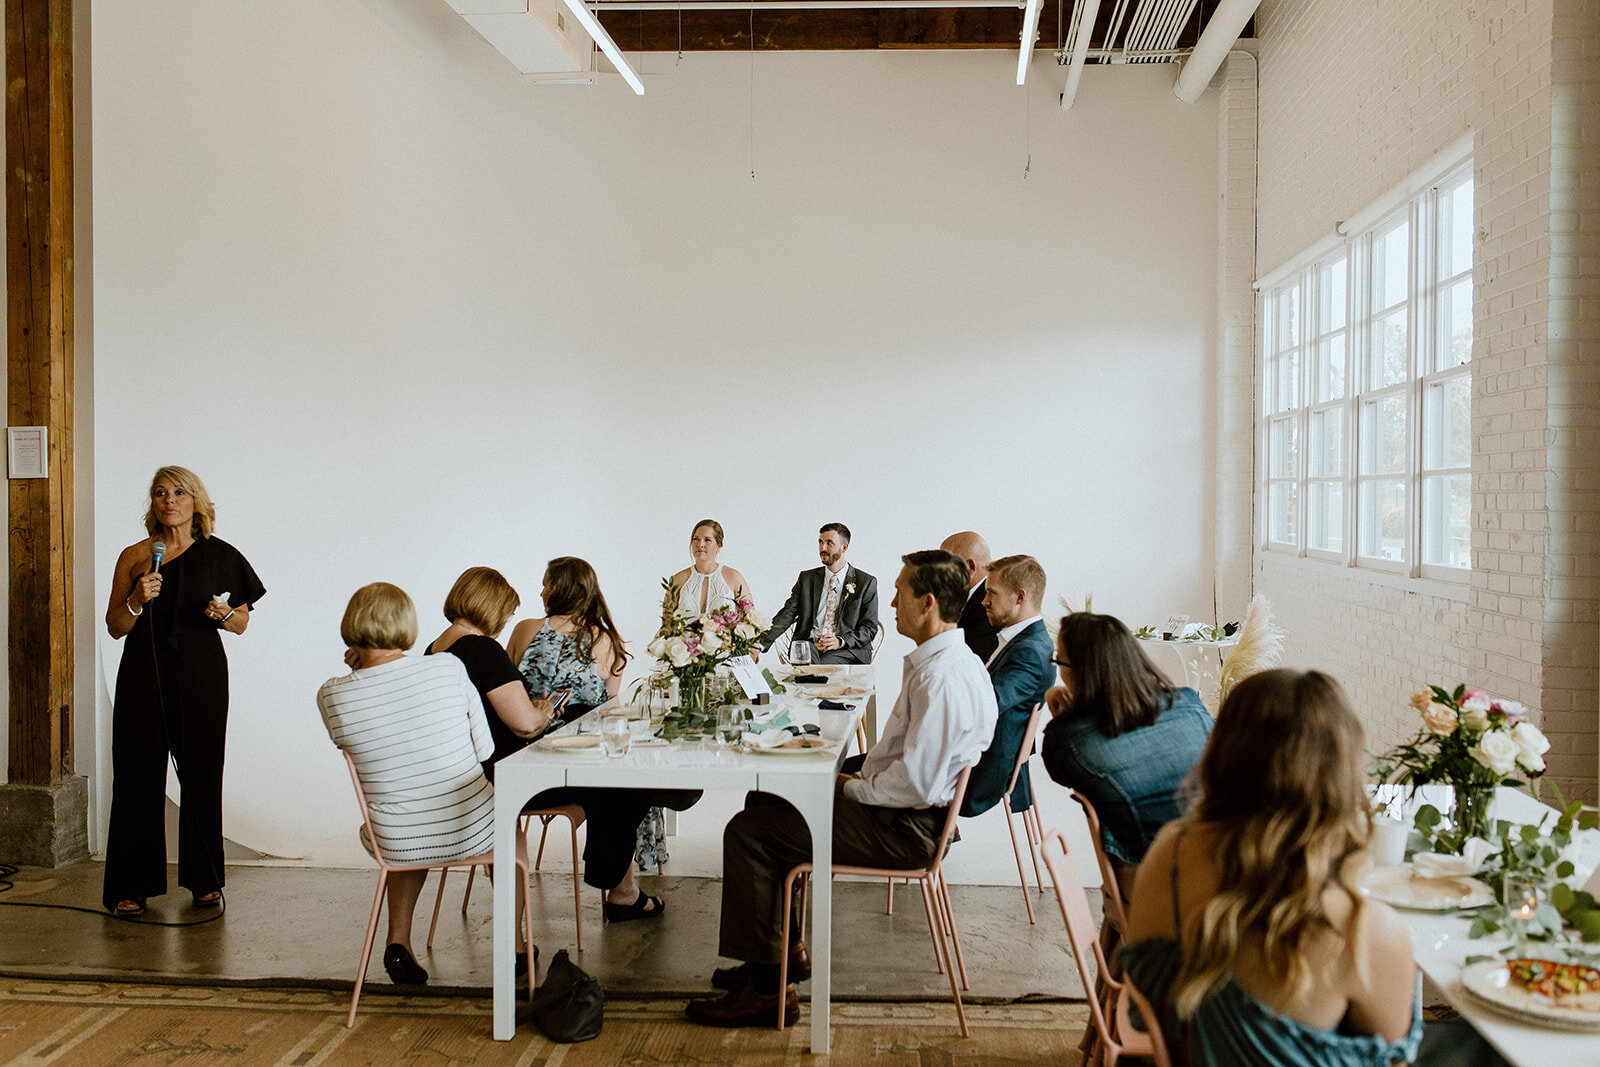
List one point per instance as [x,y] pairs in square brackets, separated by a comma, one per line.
[1084,14]
[1030,33]
[1221,34]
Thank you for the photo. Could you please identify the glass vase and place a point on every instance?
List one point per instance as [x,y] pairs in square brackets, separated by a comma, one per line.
[1471,811]
[692,694]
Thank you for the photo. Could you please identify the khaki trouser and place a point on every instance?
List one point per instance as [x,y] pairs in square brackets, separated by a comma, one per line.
[769,837]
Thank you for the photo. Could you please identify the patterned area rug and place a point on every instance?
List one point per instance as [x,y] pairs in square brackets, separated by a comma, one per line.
[44,1022]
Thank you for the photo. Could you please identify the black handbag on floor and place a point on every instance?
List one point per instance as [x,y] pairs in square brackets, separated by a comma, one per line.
[569,1006]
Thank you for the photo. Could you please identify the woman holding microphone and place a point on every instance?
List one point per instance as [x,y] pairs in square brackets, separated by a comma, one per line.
[171,595]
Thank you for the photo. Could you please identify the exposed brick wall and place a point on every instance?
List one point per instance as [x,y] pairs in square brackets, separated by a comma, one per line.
[1355,95]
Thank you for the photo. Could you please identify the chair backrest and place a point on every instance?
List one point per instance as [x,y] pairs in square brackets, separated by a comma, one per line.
[950,816]
[361,802]
[1110,888]
[877,642]
[1025,750]
[1081,931]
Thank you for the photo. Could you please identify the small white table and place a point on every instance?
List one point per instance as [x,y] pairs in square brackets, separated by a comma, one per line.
[807,782]
[1441,945]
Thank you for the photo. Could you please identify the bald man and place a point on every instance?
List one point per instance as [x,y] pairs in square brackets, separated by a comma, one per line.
[981,636]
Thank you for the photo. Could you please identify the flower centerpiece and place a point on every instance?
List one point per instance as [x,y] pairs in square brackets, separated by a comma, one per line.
[691,647]
[1473,743]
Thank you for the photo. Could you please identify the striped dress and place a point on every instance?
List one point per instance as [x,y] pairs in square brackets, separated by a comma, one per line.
[416,730]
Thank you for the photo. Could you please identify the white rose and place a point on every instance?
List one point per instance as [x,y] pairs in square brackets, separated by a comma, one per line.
[759,621]
[678,652]
[1529,739]
[745,630]
[1496,751]
[657,647]
[1475,713]
[1531,764]
[1513,710]
[710,642]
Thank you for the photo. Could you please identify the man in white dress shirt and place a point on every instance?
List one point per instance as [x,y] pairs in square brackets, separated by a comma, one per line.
[890,814]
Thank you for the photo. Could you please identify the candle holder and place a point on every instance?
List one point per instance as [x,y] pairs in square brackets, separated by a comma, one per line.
[1520,897]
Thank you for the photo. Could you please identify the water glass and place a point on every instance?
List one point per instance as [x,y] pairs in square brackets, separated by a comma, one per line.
[1521,894]
[835,722]
[616,734]
[800,653]
[730,724]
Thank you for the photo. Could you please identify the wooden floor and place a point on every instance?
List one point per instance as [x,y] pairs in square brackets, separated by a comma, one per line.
[65,1022]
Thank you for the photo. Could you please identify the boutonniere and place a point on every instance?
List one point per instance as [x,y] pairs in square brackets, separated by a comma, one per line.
[849,588]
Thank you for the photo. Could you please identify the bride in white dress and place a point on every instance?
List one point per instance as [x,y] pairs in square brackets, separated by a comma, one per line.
[707,585]
[703,587]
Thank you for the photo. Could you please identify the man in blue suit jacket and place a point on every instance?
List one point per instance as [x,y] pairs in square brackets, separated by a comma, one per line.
[1021,672]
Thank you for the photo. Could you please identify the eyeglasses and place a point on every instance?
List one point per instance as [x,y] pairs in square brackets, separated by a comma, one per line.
[1061,663]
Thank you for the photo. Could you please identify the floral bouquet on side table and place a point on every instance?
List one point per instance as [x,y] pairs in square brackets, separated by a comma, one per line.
[691,648]
[1473,743]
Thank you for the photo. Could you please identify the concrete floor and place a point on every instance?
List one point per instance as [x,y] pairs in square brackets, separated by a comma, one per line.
[303,926]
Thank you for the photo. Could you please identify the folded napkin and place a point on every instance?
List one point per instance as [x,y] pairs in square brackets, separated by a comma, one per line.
[810,679]
[834,705]
[1438,865]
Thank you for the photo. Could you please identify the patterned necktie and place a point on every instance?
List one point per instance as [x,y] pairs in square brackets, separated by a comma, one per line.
[830,610]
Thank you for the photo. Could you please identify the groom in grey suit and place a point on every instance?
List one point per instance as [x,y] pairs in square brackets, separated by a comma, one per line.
[834,606]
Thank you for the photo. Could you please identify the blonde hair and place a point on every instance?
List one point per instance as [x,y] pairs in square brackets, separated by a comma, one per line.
[1281,782]
[483,598]
[379,616]
[205,512]
[1019,572]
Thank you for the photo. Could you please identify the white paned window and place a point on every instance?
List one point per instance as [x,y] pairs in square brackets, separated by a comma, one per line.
[1366,394]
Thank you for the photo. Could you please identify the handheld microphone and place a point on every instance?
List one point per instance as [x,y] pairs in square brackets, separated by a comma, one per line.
[157,551]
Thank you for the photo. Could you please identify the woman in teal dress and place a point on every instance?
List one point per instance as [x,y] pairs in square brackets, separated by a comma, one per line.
[1247,929]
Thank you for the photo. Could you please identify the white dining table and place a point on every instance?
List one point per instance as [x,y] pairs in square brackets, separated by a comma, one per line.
[1441,946]
[806,781]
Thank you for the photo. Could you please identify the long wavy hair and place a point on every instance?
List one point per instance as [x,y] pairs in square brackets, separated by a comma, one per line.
[1113,681]
[575,593]
[205,512]
[1281,783]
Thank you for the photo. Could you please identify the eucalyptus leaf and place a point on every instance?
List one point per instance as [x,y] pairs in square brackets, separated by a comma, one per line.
[1427,817]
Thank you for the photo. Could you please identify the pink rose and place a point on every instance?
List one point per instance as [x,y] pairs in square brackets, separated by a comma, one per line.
[1440,719]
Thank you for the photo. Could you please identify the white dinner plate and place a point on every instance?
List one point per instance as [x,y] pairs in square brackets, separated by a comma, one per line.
[797,746]
[1489,982]
[571,743]
[1403,888]
[818,668]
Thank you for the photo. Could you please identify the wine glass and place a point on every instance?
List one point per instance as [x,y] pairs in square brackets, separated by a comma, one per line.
[800,653]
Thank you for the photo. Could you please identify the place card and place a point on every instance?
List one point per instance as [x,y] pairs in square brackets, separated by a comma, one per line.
[1174,625]
[750,678]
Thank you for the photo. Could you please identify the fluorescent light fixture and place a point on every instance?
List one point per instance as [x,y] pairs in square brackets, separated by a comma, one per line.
[607,45]
[1030,30]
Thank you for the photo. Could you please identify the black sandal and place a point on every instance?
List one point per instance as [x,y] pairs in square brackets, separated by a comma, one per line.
[129,908]
[208,900]
[639,909]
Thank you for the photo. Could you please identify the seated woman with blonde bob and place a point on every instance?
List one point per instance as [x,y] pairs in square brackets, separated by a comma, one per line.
[415,730]
[1247,929]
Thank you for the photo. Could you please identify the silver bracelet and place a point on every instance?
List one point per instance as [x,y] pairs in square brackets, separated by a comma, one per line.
[126,603]
[228,616]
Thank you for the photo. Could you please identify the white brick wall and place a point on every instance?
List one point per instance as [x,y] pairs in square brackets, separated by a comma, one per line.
[1355,95]
[1236,308]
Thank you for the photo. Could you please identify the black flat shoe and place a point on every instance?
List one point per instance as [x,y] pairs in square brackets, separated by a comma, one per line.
[402,966]
[521,967]
[646,907]
[208,900]
[129,908]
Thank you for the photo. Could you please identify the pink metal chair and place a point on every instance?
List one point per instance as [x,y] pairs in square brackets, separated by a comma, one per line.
[1108,1011]
[573,813]
[935,900]
[1115,908]
[1030,815]
[386,868]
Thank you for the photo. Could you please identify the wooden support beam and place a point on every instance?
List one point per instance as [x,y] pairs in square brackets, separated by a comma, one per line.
[39,244]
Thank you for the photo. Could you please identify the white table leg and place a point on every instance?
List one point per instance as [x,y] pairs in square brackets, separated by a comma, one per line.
[816,805]
[507,805]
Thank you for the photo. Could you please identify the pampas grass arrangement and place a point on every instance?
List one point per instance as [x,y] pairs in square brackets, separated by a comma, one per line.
[1259,649]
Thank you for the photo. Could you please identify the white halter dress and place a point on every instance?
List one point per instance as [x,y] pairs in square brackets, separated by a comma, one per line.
[701,593]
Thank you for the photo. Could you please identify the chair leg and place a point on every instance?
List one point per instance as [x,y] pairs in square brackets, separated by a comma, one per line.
[1030,820]
[366,949]
[527,929]
[783,955]
[943,895]
[472,872]
[543,831]
[444,872]
[577,886]
[889,907]
[1022,874]
[935,925]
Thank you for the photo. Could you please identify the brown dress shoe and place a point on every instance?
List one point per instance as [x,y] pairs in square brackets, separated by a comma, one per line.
[731,978]
[745,1007]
